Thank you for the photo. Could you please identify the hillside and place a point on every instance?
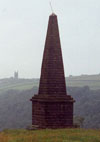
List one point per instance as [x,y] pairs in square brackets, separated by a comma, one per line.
[59,135]
[17,84]
[16,109]
[93,81]
[15,100]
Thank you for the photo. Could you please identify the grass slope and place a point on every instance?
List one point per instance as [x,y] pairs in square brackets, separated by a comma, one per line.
[60,135]
[20,84]
[93,81]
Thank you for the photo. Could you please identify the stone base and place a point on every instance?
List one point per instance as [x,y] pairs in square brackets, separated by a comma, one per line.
[51,112]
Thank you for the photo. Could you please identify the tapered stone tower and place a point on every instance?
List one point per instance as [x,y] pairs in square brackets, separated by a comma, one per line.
[52,107]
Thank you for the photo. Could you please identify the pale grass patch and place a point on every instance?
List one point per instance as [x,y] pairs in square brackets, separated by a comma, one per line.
[60,135]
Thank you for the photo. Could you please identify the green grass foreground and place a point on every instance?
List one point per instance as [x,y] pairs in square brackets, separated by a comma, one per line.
[47,135]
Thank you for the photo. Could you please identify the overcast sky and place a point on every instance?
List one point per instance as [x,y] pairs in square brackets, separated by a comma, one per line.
[23,27]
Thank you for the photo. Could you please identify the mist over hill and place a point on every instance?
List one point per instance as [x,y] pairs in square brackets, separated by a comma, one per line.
[16,108]
[93,81]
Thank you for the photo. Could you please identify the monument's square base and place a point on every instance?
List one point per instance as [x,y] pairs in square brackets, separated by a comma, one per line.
[52,111]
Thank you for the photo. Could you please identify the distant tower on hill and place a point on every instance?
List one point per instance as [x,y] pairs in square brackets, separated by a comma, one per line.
[52,107]
[16,75]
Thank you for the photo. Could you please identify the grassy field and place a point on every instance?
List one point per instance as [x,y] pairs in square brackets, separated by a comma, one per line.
[93,81]
[93,84]
[60,135]
[20,84]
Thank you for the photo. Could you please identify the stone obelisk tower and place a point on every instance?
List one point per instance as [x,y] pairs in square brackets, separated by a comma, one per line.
[52,107]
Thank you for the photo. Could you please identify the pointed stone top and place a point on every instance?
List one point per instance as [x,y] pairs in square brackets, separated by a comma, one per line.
[53,14]
[52,80]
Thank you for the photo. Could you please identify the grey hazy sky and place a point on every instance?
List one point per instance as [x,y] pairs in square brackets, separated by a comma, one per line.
[23,26]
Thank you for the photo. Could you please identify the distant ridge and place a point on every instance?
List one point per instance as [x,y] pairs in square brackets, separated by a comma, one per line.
[85,77]
[93,81]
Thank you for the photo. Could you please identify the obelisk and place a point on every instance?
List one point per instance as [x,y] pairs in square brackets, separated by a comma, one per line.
[52,107]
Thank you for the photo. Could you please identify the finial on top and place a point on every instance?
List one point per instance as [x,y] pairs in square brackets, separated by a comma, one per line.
[51,8]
